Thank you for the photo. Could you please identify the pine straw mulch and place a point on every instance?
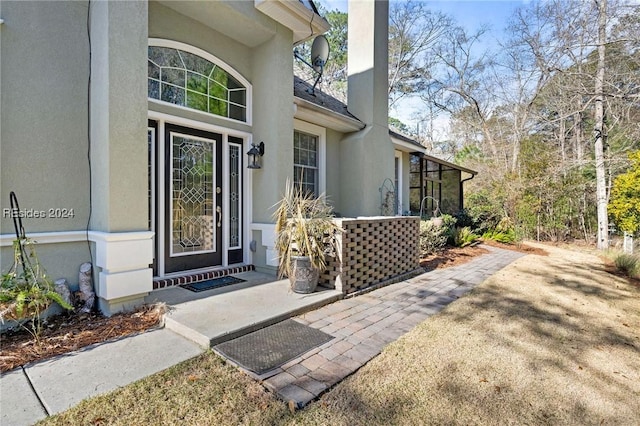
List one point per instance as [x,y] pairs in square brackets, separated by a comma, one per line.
[451,256]
[454,256]
[70,332]
[521,247]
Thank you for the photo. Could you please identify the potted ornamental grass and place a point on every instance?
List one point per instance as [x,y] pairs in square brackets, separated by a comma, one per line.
[305,237]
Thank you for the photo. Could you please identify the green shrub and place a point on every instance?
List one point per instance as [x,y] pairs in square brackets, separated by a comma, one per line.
[504,232]
[464,237]
[432,238]
[624,206]
[26,291]
[507,236]
[485,208]
[464,219]
[628,264]
[449,223]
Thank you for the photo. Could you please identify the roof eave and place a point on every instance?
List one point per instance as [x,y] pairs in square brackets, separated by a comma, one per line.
[304,23]
[405,146]
[316,114]
[452,165]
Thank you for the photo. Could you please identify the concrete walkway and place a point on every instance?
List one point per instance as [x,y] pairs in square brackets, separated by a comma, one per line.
[30,393]
[362,325]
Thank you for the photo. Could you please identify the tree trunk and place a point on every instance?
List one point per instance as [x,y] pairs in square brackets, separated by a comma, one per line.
[599,131]
[562,139]
[579,131]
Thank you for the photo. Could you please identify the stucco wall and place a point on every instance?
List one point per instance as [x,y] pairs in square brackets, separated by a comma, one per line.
[168,24]
[43,125]
[367,156]
[61,260]
[334,184]
[366,161]
[405,182]
[43,136]
[119,116]
[273,121]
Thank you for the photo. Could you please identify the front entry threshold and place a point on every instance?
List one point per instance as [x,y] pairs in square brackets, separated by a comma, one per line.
[189,278]
[215,316]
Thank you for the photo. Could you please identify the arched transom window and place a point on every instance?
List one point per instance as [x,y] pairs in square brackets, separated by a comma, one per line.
[185,79]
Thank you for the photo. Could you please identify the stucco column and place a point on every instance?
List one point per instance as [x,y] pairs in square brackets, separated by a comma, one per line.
[367,156]
[118,121]
[273,124]
[272,120]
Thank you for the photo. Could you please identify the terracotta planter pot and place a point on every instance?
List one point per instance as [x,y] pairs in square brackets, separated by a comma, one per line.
[304,277]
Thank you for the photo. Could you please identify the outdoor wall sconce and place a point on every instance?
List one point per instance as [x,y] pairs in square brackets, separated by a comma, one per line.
[254,154]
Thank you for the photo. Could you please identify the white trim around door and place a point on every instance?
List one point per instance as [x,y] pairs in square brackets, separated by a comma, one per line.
[162,120]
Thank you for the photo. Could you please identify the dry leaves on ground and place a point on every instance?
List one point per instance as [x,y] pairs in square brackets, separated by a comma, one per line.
[71,332]
[521,247]
[547,340]
[451,256]
[454,256]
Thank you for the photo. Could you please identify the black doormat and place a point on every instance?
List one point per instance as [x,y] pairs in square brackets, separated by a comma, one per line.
[270,347]
[211,284]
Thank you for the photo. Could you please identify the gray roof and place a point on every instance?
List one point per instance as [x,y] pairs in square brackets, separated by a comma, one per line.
[302,89]
[405,138]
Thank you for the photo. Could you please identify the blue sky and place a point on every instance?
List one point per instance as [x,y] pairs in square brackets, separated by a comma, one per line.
[470,14]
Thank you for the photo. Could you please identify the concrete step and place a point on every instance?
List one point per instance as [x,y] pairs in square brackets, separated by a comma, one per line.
[215,316]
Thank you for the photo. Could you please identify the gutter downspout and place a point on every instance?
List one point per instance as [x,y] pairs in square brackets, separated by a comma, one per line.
[462,190]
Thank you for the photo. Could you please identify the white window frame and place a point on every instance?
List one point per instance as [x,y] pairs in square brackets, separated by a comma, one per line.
[321,134]
[159,42]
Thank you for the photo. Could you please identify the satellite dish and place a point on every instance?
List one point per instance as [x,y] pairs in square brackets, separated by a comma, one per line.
[319,53]
[319,56]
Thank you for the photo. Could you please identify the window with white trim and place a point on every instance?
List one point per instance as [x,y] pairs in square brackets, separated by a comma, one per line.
[309,157]
[185,79]
[305,162]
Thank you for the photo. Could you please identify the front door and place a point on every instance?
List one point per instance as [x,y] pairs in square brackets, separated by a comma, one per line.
[193,199]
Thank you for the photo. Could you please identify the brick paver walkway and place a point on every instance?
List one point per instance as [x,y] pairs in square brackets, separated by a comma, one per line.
[365,324]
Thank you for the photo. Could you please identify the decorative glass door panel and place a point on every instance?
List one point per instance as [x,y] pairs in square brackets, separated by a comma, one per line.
[193,221]
[193,200]
[235,252]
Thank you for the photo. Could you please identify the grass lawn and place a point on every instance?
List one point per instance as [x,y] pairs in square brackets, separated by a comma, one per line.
[547,340]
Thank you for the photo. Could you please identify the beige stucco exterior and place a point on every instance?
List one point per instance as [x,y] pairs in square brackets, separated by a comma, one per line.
[118,116]
[51,124]
[333,181]
[43,124]
[369,151]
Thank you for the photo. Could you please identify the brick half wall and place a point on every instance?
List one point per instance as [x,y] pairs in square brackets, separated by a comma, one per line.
[371,251]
